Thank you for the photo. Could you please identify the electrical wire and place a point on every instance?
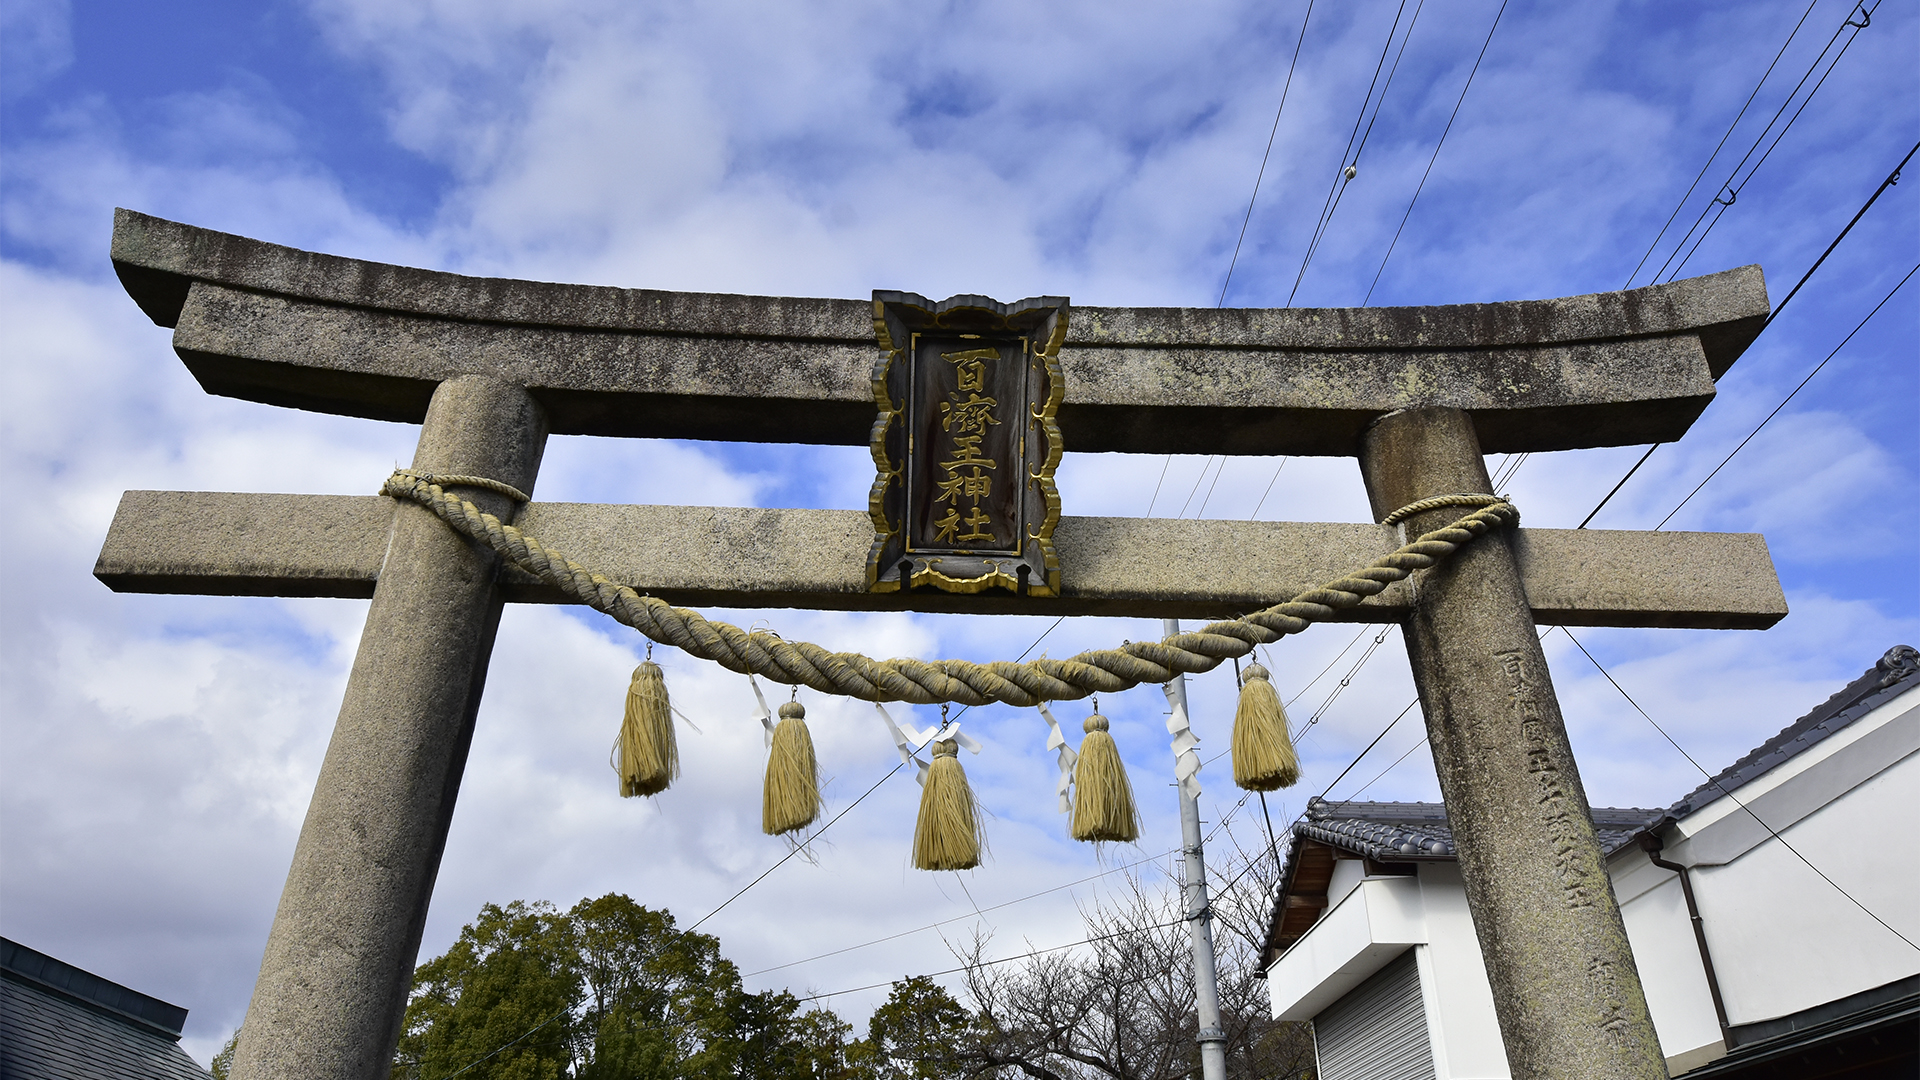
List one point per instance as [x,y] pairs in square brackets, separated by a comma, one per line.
[1616,488]
[1201,479]
[1202,512]
[1730,190]
[1396,764]
[1329,667]
[1269,491]
[1789,397]
[1005,959]
[1261,175]
[1157,483]
[1347,679]
[1720,146]
[1219,825]
[1723,790]
[477,1061]
[798,848]
[1350,157]
[1892,179]
[964,917]
[1371,745]
[1436,151]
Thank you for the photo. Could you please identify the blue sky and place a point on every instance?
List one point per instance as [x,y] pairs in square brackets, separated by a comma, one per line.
[160,749]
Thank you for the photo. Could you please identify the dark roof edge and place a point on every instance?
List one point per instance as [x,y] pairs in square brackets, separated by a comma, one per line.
[1891,676]
[35,968]
[1865,1013]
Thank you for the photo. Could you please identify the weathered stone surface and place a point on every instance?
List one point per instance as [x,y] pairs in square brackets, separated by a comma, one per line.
[339,961]
[295,328]
[1565,987]
[331,545]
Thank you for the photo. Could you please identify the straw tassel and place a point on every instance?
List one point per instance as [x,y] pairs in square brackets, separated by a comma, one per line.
[1102,797]
[792,799]
[1263,756]
[649,760]
[947,836]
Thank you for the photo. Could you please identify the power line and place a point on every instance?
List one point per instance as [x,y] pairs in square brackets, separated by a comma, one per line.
[961,918]
[1005,959]
[1720,146]
[798,848]
[1347,679]
[1723,790]
[1329,667]
[1269,491]
[1202,512]
[1221,824]
[1261,175]
[1436,152]
[1350,157]
[1734,183]
[1892,179]
[469,1065]
[1789,397]
[1371,745]
[1396,764]
[1201,479]
[1157,483]
[1623,481]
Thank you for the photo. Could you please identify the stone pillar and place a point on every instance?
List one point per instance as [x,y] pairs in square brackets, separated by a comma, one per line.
[1565,987]
[339,961]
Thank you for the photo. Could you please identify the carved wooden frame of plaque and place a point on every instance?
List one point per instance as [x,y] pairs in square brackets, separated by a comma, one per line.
[997,355]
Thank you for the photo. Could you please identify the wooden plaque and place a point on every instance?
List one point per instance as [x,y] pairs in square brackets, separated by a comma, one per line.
[966,443]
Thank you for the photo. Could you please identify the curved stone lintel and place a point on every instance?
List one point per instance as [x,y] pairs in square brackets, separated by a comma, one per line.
[288,327]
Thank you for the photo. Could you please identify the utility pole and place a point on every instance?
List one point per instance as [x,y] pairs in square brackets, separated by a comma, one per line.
[1199,912]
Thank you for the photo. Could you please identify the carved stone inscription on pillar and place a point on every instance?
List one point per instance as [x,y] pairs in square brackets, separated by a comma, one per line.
[966,444]
[1560,817]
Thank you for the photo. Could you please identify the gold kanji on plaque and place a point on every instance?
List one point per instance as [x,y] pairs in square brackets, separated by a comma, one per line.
[966,443]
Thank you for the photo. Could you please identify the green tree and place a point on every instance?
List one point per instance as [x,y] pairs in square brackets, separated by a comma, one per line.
[501,997]
[223,1061]
[609,990]
[921,1033]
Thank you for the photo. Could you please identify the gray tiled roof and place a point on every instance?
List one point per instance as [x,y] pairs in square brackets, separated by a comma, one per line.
[50,1037]
[63,1023]
[1893,675]
[1413,832]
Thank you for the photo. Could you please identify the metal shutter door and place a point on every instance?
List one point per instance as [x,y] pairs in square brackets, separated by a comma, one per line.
[1378,1031]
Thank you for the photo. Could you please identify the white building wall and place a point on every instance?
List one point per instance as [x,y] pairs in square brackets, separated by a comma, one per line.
[1668,958]
[1466,1032]
[1785,940]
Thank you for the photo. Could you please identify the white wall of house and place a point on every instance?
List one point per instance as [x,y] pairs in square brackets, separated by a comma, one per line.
[1668,958]
[1466,1034]
[1372,921]
[1783,939]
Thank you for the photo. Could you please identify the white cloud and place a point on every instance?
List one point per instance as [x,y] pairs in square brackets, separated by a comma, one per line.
[160,749]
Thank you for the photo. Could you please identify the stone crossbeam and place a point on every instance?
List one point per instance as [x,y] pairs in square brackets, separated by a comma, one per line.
[215,543]
[279,325]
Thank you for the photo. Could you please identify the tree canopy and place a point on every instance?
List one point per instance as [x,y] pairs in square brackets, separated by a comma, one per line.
[609,990]
[612,990]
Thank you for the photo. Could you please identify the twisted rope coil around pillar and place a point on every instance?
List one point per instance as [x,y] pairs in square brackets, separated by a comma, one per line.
[923,682]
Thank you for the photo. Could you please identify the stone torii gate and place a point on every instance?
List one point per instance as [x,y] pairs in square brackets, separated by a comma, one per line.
[491,367]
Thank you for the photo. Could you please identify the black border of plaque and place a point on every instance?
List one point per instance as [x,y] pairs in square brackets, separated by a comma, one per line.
[967,438]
